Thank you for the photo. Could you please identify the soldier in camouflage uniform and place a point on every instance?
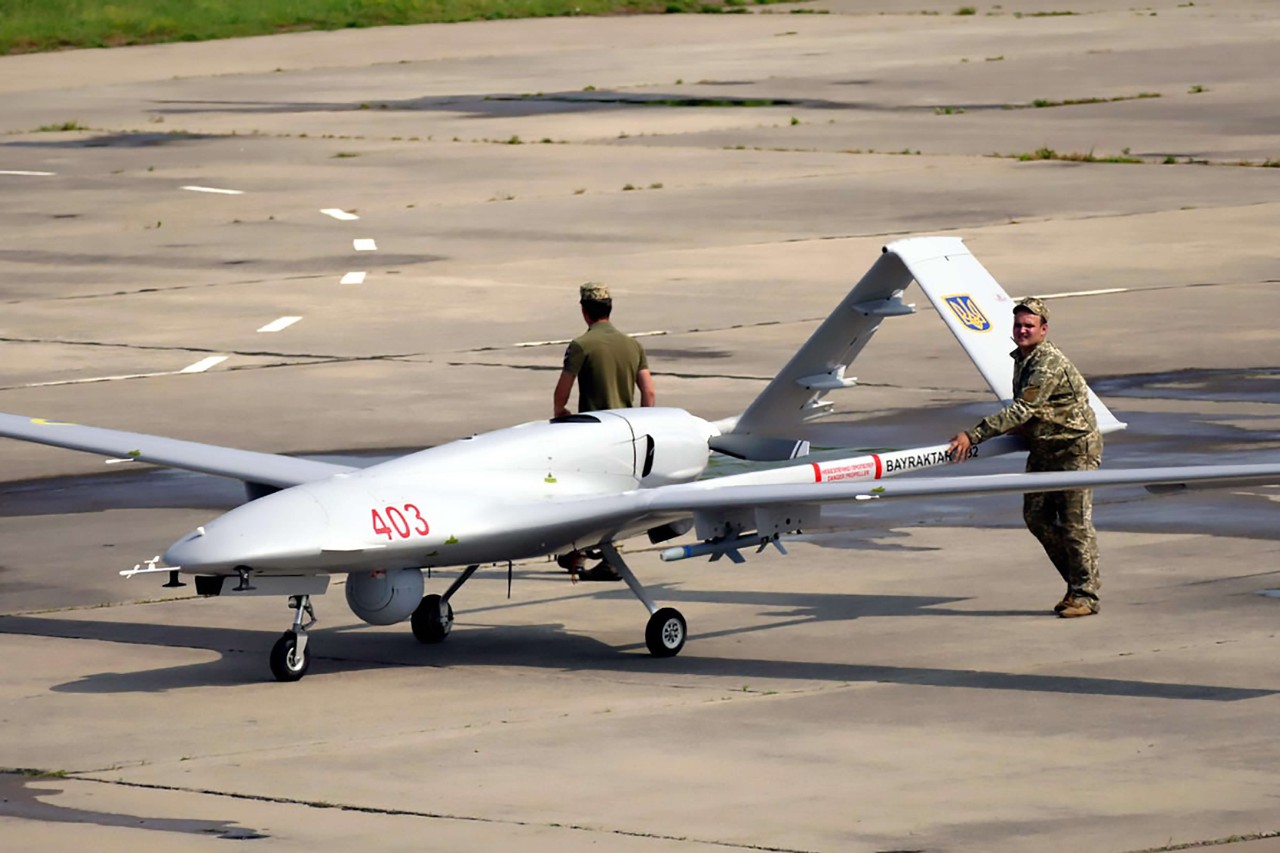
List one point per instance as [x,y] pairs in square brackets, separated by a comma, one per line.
[1051,410]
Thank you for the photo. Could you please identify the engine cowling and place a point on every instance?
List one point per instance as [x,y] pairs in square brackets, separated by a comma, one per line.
[384,598]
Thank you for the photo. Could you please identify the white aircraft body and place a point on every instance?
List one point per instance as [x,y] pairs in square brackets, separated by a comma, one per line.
[587,481]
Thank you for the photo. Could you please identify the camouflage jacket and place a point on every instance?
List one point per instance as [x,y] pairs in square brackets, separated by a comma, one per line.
[1050,407]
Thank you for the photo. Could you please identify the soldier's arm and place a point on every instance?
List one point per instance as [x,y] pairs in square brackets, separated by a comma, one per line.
[1041,384]
[648,394]
[560,398]
[573,356]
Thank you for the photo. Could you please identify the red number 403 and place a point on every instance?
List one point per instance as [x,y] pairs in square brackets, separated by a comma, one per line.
[400,525]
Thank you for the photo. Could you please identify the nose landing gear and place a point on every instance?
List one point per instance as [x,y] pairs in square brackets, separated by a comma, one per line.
[290,657]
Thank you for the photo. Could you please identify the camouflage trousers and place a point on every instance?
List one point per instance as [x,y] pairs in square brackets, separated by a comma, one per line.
[1063,521]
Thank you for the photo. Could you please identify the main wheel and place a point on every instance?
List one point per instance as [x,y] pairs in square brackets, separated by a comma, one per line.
[286,663]
[665,633]
[432,619]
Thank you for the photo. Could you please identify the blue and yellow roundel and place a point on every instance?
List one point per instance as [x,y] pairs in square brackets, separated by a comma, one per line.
[969,313]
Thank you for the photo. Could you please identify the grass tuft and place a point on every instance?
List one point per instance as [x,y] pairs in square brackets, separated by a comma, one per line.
[1074,157]
[60,128]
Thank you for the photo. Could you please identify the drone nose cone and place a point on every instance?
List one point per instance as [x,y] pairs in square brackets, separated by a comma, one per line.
[278,531]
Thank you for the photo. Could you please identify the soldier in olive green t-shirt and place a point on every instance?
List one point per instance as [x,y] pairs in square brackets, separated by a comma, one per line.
[607,364]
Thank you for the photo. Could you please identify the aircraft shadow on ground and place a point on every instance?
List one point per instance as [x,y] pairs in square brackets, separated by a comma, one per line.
[523,104]
[507,104]
[25,797]
[243,653]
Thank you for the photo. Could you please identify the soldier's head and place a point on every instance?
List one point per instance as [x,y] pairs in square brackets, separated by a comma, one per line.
[595,300]
[1030,323]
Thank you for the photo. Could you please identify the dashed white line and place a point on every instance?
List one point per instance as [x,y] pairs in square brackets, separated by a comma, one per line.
[26,173]
[365,244]
[195,189]
[353,278]
[204,364]
[280,323]
[338,213]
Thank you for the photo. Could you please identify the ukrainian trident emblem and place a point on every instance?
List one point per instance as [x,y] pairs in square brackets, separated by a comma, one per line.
[969,313]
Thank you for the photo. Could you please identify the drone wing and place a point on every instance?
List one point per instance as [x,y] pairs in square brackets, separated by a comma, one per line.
[268,469]
[728,516]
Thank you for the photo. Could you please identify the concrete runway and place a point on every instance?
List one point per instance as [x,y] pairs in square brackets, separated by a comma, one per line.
[900,686]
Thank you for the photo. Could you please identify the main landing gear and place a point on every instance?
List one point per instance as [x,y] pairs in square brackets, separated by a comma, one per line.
[433,619]
[664,635]
[666,631]
[290,657]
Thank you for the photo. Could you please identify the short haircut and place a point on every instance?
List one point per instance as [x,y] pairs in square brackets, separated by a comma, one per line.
[597,309]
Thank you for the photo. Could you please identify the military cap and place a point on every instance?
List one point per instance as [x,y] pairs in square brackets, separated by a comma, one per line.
[1034,305]
[593,291]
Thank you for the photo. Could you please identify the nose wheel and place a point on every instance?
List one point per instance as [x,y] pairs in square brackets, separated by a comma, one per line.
[290,659]
[291,656]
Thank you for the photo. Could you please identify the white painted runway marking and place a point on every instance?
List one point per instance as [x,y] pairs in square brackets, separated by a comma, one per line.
[203,364]
[100,379]
[1275,498]
[1086,292]
[278,324]
[338,213]
[353,278]
[566,340]
[195,189]
[540,343]
[26,173]
[365,244]
[96,379]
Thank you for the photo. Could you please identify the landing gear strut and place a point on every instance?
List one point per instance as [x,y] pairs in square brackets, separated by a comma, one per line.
[666,630]
[290,656]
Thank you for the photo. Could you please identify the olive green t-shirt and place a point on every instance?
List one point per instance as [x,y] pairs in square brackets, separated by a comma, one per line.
[606,362]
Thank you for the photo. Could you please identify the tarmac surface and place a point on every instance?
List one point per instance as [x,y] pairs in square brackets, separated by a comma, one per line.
[426,200]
